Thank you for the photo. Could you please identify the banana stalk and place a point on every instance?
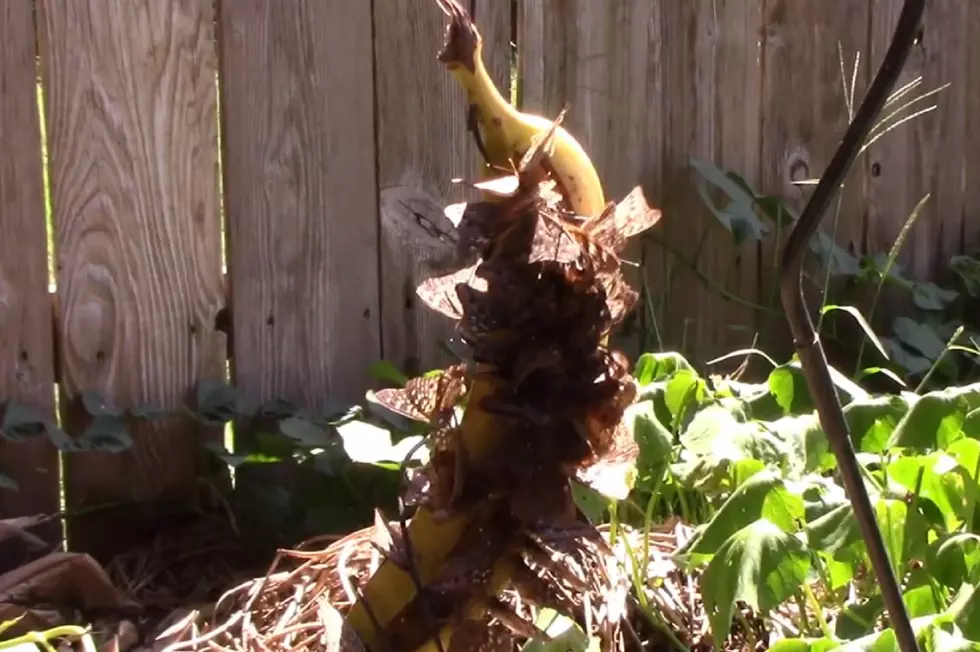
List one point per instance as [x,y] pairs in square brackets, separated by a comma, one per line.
[506,135]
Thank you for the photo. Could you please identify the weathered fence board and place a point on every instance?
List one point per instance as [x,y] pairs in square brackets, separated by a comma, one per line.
[341,133]
[301,202]
[26,351]
[422,145]
[711,90]
[650,85]
[808,55]
[927,155]
[130,109]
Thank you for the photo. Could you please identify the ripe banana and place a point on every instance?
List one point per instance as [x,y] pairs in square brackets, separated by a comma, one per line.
[507,133]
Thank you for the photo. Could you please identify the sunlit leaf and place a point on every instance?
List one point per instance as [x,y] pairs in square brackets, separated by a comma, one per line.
[654,367]
[760,565]
[943,482]
[936,419]
[763,496]
[861,321]
[872,421]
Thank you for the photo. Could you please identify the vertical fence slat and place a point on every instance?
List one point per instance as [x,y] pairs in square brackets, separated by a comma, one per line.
[130,109]
[805,115]
[422,145]
[26,355]
[301,202]
[928,154]
[711,111]
[971,140]
[602,60]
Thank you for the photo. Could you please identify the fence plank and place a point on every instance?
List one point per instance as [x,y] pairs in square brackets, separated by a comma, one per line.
[926,155]
[301,202]
[805,115]
[26,352]
[422,145]
[602,61]
[130,108]
[711,112]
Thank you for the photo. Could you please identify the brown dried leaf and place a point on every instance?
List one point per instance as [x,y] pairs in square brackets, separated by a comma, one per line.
[62,578]
[426,397]
[439,292]
[619,223]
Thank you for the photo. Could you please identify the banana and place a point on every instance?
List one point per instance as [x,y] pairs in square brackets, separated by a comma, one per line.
[504,135]
[507,133]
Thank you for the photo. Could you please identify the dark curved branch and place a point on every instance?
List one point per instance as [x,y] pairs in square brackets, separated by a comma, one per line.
[807,343]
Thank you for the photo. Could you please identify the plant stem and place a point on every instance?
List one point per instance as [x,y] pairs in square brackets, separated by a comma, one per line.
[817,611]
[935,365]
[892,256]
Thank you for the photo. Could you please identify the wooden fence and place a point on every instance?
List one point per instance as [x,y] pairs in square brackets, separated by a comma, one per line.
[340,133]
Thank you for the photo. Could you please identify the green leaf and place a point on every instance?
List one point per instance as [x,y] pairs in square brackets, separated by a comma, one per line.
[21,422]
[968,269]
[367,443]
[955,559]
[965,612]
[592,503]
[738,215]
[106,433]
[305,433]
[760,565]
[654,367]
[929,296]
[685,391]
[763,496]
[385,371]
[788,384]
[944,483]
[564,633]
[912,363]
[861,321]
[872,421]
[653,439]
[790,390]
[804,645]
[810,449]
[97,405]
[718,434]
[217,402]
[832,257]
[936,419]
[884,371]
[919,337]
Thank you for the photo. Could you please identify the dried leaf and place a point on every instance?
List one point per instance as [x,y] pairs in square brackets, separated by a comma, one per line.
[617,224]
[423,398]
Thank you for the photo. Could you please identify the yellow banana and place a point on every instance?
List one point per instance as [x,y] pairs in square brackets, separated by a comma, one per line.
[507,133]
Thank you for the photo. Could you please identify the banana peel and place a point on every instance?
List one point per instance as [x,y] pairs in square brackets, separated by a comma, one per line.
[507,133]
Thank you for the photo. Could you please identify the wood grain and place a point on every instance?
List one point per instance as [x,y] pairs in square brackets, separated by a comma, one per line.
[928,154]
[805,114]
[26,344]
[130,109]
[650,85]
[422,145]
[602,61]
[301,203]
[711,98]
